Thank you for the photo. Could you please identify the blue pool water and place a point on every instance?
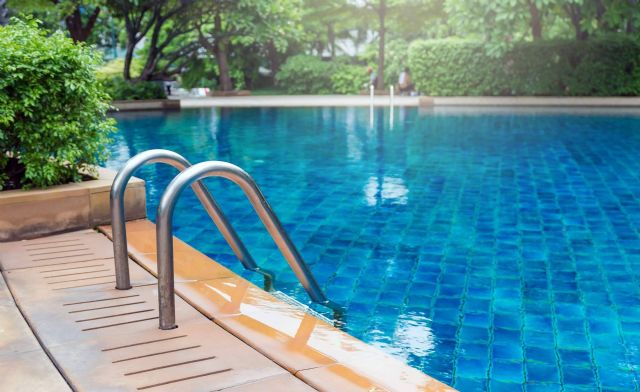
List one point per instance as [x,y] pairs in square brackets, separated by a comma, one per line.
[492,250]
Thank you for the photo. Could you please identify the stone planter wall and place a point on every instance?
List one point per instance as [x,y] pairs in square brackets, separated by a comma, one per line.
[34,213]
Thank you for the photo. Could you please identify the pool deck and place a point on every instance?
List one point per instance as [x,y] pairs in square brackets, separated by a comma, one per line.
[404,101]
[64,327]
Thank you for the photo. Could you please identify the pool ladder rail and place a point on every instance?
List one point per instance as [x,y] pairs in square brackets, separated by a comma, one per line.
[192,176]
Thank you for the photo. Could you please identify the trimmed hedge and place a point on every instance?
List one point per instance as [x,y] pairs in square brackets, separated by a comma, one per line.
[607,66]
[303,74]
[120,89]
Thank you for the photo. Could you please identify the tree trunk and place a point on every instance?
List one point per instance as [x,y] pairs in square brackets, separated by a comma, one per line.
[4,12]
[223,65]
[128,57]
[274,59]
[535,21]
[600,11]
[77,31]
[150,64]
[575,14]
[221,56]
[381,36]
[331,37]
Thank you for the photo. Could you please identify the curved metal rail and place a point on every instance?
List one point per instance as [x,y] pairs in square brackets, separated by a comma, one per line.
[164,234]
[118,188]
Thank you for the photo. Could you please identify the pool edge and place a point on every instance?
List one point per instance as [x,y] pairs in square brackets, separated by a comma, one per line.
[314,351]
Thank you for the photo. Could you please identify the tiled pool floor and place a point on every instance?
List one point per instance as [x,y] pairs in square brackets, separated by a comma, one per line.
[492,251]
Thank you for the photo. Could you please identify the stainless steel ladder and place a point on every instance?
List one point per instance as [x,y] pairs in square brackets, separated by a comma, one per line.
[192,176]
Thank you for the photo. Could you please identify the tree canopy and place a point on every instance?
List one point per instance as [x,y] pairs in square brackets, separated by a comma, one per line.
[238,42]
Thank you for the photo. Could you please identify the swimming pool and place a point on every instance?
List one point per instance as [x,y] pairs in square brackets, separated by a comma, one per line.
[492,249]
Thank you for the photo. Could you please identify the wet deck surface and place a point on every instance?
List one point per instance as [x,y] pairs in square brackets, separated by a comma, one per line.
[100,338]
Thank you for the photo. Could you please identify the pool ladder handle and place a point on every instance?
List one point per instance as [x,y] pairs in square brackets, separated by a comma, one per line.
[165,247]
[164,235]
[118,226]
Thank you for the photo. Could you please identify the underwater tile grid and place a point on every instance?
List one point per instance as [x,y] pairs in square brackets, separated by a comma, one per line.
[494,250]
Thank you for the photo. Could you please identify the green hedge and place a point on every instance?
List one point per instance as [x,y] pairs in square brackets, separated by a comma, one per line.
[303,74]
[120,89]
[597,67]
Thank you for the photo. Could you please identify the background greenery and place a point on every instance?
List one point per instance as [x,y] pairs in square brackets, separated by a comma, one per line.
[326,46]
[53,109]
[607,66]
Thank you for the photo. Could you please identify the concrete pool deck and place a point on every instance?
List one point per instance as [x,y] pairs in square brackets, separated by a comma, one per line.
[404,101]
[231,335]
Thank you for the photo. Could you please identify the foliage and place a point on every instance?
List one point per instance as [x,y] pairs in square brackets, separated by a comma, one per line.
[268,24]
[396,60]
[349,79]
[310,75]
[201,73]
[120,89]
[303,74]
[607,66]
[52,107]
[113,68]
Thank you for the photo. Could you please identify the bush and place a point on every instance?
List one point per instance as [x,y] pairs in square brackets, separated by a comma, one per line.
[607,66]
[303,74]
[349,79]
[120,89]
[53,121]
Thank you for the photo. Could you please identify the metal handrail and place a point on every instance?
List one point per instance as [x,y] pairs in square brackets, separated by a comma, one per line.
[164,234]
[118,188]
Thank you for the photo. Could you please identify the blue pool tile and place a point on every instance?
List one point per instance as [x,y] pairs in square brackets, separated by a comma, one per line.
[508,352]
[507,371]
[546,355]
[542,373]
[507,237]
[470,384]
[472,368]
[575,375]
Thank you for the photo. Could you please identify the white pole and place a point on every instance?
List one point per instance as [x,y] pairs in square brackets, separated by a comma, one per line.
[371,93]
[391,104]
[391,96]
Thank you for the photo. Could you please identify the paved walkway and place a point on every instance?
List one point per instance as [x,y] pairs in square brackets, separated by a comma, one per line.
[231,335]
[24,366]
[105,339]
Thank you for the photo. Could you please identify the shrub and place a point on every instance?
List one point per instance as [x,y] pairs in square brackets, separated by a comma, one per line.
[454,67]
[395,61]
[120,89]
[53,121]
[608,66]
[303,74]
[349,79]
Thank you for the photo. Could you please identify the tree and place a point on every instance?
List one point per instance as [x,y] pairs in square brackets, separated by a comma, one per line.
[79,16]
[73,11]
[324,21]
[380,10]
[245,22]
[165,20]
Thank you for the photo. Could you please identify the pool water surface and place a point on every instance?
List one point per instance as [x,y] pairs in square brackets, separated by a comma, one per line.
[493,250]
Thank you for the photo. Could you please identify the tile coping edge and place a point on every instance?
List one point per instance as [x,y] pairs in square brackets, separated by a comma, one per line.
[105,230]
